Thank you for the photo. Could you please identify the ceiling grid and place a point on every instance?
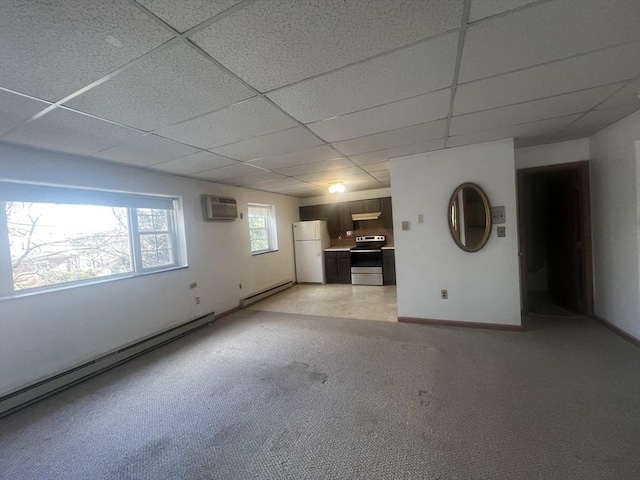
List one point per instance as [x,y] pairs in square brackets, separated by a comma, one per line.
[456,73]
[318,97]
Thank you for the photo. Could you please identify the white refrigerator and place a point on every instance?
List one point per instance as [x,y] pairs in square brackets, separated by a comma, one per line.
[310,239]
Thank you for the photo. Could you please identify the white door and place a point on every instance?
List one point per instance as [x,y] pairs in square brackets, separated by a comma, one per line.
[306,230]
[309,261]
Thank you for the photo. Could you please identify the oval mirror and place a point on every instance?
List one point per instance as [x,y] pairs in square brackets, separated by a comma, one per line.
[469,217]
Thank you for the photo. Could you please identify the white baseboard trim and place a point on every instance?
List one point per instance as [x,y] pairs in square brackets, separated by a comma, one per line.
[267,292]
[26,396]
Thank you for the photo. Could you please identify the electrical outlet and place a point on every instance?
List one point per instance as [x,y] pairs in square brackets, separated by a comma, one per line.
[420,218]
[197,300]
[502,232]
[444,294]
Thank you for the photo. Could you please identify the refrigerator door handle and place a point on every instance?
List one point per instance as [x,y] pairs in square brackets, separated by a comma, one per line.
[317,241]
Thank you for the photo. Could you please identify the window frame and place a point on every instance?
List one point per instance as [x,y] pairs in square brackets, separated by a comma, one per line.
[136,244]
[93,197]
[270,228]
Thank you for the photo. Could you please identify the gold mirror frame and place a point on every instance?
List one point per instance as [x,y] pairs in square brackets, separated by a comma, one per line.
[456,223]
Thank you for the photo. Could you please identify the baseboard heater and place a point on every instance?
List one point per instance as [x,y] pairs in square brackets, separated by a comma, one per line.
[267,292]
[45,388]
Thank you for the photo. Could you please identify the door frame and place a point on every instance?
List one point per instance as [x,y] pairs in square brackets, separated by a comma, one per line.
[582,169]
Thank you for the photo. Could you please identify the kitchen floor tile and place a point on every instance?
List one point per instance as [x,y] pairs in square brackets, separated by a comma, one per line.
[362,302]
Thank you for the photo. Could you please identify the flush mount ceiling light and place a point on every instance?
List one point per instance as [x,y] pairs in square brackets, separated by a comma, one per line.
[336,188]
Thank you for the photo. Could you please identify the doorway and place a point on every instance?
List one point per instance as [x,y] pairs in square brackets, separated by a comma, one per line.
[555,240]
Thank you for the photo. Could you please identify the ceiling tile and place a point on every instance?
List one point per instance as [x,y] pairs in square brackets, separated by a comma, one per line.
[393,116]
[198,162]
[562,29]
[167,87]
[348,180]
[253,179]
[354,183]
[316,154]
[288,189]
[278,183]
[586,71]
[373,183]
[552,107]
[380,155]
[333,173]
[376,167]
[51,49]
[16,109]
[306,37]
[541,129]
[597,120]
[381,174]
[231,171]
[302,191]
[395,138]
[298,185]
[405,73]
[71,132]
[315,167]
[243,120]
[146,150]
[625,96]
[487,8]
[270,145]
[185,14]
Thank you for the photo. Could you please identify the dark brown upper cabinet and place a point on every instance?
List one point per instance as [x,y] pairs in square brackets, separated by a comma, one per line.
[343,214]
[387,213]
[338,215]
[307,213]
[365,206]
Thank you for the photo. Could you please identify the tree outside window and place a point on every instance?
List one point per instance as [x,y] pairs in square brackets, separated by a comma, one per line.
[55,236]
[262,228]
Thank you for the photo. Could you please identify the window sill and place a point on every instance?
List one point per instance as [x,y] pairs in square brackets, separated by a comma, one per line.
[254,254]
[85,283]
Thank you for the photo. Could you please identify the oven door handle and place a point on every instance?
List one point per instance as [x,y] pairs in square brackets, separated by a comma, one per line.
[366,251]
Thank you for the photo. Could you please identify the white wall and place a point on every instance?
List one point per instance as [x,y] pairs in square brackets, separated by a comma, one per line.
[615,215]
[482,286]
[346,197]
[552,153]
[44,334]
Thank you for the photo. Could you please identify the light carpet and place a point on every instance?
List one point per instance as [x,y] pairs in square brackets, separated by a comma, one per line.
[264,395]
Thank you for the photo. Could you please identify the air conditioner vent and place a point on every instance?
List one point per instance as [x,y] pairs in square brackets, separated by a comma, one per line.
[219,208]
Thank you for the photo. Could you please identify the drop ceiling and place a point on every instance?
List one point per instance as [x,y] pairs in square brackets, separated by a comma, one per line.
[288,96]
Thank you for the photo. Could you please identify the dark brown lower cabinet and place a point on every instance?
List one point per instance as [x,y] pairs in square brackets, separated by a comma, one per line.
[337,267]
[389,267]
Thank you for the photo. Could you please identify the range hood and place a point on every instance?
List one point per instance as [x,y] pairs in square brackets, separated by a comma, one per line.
[365,216]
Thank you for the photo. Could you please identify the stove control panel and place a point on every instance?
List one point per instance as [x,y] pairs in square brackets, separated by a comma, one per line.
[371,238]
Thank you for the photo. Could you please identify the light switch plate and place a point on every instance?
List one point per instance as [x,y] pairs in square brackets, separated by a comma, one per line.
[405,225]
[502,232]
[498,215]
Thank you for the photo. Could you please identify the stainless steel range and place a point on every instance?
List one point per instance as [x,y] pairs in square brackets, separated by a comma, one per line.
[366,260]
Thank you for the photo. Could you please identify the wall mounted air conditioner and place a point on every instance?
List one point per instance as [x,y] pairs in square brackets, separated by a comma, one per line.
[219,208]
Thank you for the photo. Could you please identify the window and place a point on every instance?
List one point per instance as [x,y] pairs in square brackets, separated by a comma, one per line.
[57,236]
[262,228]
